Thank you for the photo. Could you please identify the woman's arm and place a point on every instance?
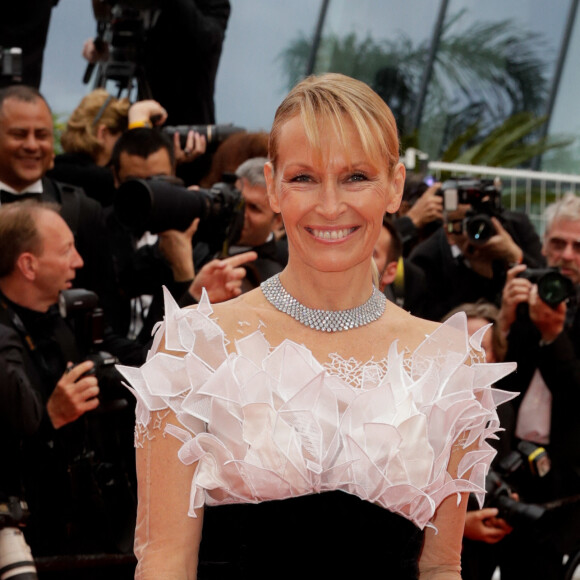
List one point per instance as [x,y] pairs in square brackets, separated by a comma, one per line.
[166,538]
[441,554]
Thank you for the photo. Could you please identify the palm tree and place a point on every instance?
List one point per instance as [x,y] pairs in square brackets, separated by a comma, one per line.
[482,75]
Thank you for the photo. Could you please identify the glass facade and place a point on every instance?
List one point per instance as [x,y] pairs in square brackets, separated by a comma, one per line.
[453,71]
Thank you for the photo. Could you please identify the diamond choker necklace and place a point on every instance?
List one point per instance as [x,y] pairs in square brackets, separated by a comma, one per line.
[323,320]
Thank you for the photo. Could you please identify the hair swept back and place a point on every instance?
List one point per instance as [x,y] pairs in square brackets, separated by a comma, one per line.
[332,98]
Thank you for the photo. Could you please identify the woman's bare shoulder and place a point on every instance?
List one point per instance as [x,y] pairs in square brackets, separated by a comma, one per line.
[410,330]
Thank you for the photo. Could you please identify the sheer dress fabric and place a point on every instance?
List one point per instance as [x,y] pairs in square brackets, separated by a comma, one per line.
[270,422]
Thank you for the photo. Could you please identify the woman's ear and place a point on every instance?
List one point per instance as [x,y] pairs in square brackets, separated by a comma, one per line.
[271,187]
[397,185]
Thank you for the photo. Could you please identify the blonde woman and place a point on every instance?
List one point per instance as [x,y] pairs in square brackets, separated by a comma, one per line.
[342,434]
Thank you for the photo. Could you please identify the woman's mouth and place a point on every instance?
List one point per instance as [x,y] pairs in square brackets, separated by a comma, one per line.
[331,234]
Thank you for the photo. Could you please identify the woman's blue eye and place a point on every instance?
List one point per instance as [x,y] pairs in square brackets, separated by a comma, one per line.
[358,177]
[301,178]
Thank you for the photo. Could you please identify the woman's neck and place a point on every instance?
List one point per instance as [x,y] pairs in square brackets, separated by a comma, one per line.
[328,290]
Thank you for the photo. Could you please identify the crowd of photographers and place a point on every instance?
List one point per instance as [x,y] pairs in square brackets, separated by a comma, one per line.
[454,247]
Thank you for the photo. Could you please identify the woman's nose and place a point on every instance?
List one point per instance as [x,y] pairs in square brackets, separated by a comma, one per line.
[330,203]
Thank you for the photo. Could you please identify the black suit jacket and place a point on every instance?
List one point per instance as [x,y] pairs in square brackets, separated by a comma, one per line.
[39,453]
[57,470]
[272,258]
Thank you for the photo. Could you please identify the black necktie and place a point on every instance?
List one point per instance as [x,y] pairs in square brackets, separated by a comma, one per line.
[7,197]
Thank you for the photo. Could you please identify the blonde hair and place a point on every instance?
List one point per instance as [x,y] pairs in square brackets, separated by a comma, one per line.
[96,108]
[331,98]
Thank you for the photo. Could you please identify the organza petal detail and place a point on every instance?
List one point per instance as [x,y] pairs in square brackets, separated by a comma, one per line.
[266,423]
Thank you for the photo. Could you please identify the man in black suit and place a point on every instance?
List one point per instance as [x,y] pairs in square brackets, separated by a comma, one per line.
[545,342]
[45,389]
[26,154]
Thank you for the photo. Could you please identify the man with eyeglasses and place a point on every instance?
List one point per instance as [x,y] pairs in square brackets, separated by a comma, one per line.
[545,342]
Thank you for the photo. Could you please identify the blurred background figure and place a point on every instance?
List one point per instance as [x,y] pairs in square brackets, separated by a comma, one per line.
[87,141]
[140,44]
[421,211]
[232,152]
[401,281]
[92,131]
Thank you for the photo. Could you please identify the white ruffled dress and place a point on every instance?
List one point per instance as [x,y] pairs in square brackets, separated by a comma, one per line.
[270,422]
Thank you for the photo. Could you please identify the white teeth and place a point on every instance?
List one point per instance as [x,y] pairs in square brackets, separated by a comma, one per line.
[332,234]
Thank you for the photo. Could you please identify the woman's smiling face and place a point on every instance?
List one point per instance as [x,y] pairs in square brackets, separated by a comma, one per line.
[332,198]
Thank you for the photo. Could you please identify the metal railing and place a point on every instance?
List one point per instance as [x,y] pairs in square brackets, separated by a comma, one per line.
[523,190]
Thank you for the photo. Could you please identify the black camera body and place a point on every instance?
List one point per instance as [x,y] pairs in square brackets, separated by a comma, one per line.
[554,522]
[553,286]
[158,204]
[80,308]
[484,196]
[512,472]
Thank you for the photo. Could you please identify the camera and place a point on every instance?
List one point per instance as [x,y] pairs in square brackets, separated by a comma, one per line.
[553,286]
[484,196]
[529,460]
[11,65]
[554,522]
[80,308]
[16,561]
[158,204]
[212,133]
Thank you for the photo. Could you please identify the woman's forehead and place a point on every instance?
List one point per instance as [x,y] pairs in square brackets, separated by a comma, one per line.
[324,137]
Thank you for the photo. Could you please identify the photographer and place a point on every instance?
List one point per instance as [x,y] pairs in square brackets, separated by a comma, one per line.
[459,268]
[544,339]
[172,29]
[91,132]
[47,389]
[144,153]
